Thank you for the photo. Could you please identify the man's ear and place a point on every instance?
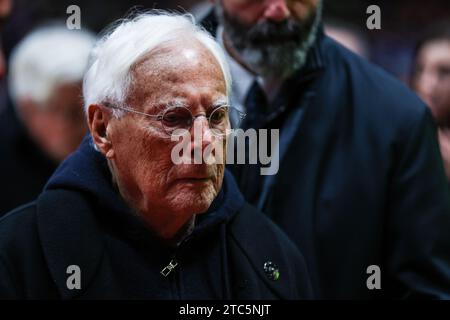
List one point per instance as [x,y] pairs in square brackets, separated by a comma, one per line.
[98,121]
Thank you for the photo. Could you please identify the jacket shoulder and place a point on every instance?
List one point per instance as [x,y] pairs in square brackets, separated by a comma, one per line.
[374,97]
[272,255]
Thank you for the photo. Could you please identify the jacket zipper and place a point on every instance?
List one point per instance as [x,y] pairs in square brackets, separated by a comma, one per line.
[173,262]
[169,268]
[175,280]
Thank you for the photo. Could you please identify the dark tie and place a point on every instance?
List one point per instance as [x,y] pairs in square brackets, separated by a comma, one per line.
[248,175]
[256,107]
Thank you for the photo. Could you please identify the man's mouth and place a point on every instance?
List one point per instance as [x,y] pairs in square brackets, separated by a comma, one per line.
[194,174]
[196,179]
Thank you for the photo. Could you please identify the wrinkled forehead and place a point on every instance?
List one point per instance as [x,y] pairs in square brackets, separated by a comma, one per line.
[174,69]
[177,52]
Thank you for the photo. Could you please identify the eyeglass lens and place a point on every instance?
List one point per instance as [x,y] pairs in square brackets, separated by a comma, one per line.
[182,118]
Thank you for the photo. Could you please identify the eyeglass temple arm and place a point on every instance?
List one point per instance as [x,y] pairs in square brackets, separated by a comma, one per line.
[108,105]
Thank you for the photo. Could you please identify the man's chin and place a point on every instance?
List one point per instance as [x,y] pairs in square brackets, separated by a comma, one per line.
[269,50]
[193,206]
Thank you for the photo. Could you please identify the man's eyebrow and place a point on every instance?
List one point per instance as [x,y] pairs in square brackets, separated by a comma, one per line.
[176,103]
[219,102]
[162,106]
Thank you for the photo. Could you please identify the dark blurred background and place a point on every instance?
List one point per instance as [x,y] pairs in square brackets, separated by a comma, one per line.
[391,47]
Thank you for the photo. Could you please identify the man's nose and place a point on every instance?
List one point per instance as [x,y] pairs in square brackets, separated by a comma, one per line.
[202,136]
[277,10]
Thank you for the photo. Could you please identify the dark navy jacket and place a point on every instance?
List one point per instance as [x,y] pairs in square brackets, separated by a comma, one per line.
[361,181]
[79,220]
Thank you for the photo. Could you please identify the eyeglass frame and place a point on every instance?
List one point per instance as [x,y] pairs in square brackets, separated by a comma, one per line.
[160,115]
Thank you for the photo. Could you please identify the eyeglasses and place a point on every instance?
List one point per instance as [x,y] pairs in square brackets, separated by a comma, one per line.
[180,118]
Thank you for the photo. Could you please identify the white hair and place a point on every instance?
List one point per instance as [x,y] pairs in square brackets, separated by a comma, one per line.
[108,77]
[46,58]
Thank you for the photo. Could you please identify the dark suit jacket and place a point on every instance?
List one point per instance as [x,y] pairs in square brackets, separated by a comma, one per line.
[361,181]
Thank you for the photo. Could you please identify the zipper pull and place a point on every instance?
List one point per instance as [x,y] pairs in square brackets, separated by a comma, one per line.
[168,269]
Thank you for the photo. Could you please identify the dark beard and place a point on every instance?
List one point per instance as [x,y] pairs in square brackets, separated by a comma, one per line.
[272,49]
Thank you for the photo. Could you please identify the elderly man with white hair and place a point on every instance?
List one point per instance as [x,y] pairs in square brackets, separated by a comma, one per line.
[119,219]
[45,122]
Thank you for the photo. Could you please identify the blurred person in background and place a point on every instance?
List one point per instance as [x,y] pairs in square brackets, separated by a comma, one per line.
[361,181]
[431,80]
[46,70]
